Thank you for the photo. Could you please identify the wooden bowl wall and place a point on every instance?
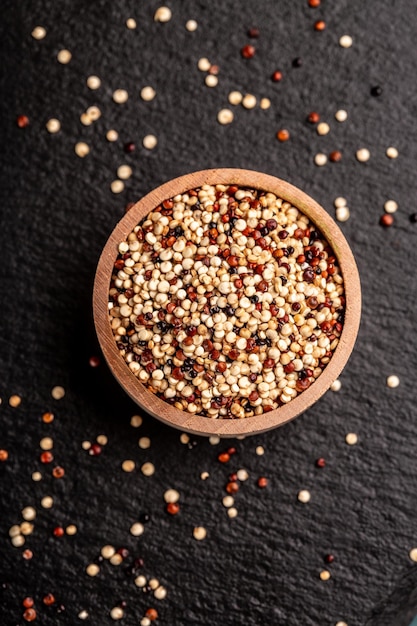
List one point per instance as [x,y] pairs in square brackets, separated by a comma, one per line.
[226,427]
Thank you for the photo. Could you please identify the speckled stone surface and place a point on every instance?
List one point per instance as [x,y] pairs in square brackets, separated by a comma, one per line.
[57,211]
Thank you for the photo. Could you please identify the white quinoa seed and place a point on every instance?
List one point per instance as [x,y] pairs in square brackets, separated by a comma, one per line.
[320,159]
[47,443]
[191,26]
[249,101]
[112,135]
[393,381]
[342,214]
[39,32]
[47,502]
[340,202]
[131,23]
[137,529]
[29,513]
[199,533]
[85,119]
[214,440]
[228,501]
[390,206]
[184,438]
[341,624]
[171,496]
[204,475]
[145,621]
[260,450]
[102,440]
[18,541]
[107,551]
[136,421]
[148,469]
[323,128]
[92,569]
[225,116]
[124,172]
[413,554]
[235,97]
[203,65]
[304,496]
[64,56]
[53,125]
[324,575]
[120,96]
[163,14]
[160,593]
[86,445]
[15,401]
[363,155]
[140,581]
[336,385]
[71,530]
[116,559]
[153,583]
[345,41]
[58,392]
[341,115]
[351,439]
[128,466]
[391,152]
[36,477]
[93,113]
[93,82]
[144,443]
[26,528]
[117,613]
[242,475]
[14,530]
[81,149]
[232,512]
[149,142]
[117,186]
[211,80]
[148,93]
[265,103]
[83,614]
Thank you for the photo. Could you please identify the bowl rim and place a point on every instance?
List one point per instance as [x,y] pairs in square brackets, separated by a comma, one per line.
[256,424]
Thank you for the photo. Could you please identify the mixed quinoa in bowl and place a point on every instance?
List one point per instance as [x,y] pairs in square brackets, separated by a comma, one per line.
[226,301]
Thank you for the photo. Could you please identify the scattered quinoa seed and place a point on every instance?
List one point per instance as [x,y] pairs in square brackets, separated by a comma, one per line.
[38,33]
[191,26]
[184,438]
[117,186]
[342,214]
[149,142]
[413,554]
[171,495]
[148,469]
[128,466]
[14,401]
[393,381]
[92,569]
[341,115]
[283,135]
[53,125]
[340,202]
[120,96]
[204,65]
[390,206]
[124,172]
[225,116]
[112,135]
[323,128]
[235,97]
[336,385]
[211,80]
[81,149]
[136,421]
[137,529]
[304,496]
[163,14]
[324,575]
[93,82]
[249,101]
[392,153]
[351,439]
[363,155]
[117,613]
[320,159]
[386,220]
[64,56]
[260,451]
[47,502]
[265,103]
[199,533]
[148,93]
[144,443]
[131,23]
[345,41]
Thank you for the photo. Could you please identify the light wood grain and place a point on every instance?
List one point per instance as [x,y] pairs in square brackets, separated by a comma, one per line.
[225,427]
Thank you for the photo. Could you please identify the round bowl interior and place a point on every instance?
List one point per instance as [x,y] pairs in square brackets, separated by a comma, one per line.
[227,427]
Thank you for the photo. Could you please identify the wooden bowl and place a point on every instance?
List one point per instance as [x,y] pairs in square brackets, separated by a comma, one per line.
[227,427]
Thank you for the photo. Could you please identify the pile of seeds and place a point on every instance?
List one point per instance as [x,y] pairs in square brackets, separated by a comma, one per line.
[226,302]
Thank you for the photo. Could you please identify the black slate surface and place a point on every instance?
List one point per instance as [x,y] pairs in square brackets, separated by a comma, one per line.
[57,211]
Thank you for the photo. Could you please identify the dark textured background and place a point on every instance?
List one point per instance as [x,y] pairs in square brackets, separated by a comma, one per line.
[57,210]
